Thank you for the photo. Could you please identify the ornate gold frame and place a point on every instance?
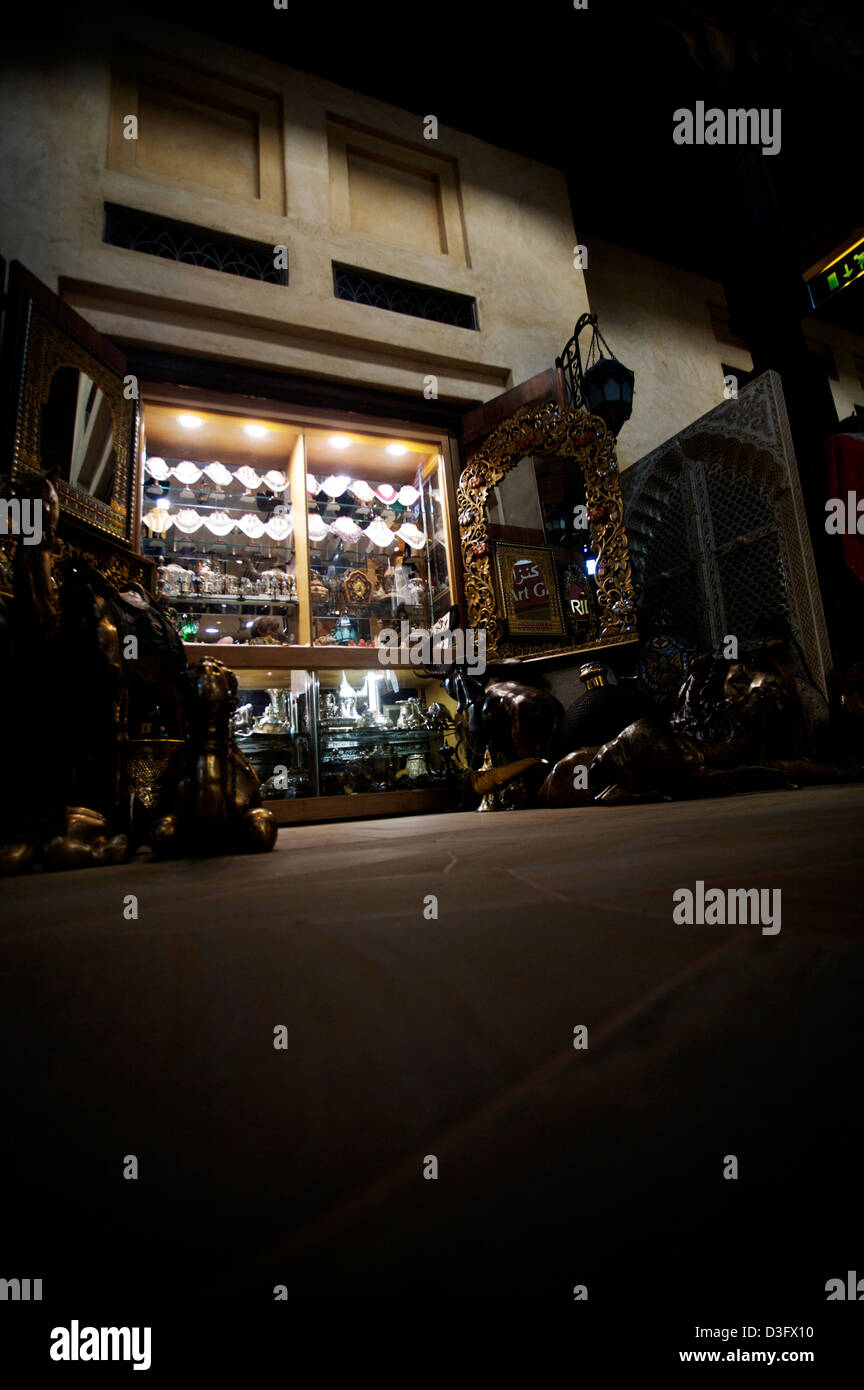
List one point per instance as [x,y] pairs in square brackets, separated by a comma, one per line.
[48,347]
[573,434]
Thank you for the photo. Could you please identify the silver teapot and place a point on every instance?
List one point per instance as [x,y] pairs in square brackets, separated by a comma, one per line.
[410,714]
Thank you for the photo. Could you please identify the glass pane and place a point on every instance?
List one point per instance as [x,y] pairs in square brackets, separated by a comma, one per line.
[274,726]
[377,541]
[384,731]
[217,516]
[540,502]
[77,433]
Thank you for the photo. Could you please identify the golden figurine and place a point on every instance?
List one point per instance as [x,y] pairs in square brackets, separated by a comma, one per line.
[213,795]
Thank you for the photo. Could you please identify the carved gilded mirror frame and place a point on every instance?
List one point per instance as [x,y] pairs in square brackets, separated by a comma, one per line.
[48,348]
[571,434]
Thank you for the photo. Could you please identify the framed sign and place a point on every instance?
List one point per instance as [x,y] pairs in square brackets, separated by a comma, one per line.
[528,589]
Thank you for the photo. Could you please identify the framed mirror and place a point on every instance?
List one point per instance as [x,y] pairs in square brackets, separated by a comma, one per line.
[72,411]
[544,549]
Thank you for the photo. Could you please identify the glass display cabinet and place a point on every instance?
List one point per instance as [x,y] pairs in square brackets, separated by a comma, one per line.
[270,532]
[375,541]
[292,547]
[218,521]
[346,743]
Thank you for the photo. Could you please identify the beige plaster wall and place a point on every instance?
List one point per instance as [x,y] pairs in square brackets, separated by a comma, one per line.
[848,390]
[56,130]
[655,319]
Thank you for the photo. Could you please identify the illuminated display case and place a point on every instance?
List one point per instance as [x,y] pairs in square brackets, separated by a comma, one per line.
[344,743]
[268,532]
[287,548]
[375,541]
[217,518]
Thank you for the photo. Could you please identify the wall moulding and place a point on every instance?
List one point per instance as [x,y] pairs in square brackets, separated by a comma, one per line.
[196,131]
[422,209]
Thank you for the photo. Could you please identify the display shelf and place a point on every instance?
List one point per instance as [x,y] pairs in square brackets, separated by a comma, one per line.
[397,738]
[183,600]
[274,657]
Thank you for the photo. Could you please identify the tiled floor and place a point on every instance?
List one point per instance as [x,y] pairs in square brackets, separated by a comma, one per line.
[412,1035]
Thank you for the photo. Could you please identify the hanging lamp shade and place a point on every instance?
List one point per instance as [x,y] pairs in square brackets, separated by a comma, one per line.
[608,391]
[602,384]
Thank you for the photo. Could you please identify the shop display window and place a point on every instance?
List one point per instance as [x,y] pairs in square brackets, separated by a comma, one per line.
[345,733]
[377,546]
[275,727]
[217,517]
[266,532]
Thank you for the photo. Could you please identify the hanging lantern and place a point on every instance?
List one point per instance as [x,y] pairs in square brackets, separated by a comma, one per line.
[603,385]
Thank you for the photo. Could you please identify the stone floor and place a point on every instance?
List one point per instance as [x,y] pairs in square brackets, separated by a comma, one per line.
[411,1035]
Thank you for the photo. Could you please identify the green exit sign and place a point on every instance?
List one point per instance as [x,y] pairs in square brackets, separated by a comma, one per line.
[829,277]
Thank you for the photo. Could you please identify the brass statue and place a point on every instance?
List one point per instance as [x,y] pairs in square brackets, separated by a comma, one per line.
[47,819]
[737,726]
[509,732]
[93,700]
[212,802]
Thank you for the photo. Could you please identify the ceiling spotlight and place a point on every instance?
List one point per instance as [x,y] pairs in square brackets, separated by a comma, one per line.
[339,441]
[190,422]
[255,431]
[397,449]
[211,629]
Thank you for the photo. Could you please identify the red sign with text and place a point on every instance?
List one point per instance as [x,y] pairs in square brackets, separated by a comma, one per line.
[529,586]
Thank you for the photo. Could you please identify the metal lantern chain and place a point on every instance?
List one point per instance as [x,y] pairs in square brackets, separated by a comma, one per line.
[570,361]
[601,385]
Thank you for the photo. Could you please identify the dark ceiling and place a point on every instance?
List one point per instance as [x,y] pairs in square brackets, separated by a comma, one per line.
[593,91]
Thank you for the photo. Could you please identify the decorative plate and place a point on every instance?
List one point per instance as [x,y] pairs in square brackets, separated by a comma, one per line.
[218,474]
[219,523]
[251,526]
[378,533]
[412,534]
[248,477]
[188,521]
[186,472]
[357,586]
[335,485]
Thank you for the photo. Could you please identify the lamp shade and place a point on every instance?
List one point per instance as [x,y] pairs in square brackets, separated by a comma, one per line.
[597,383]
[607,388]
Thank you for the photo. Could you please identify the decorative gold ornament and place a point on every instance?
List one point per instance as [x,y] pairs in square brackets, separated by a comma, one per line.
[357,586]
[147,764]
[548,429]
[48,348]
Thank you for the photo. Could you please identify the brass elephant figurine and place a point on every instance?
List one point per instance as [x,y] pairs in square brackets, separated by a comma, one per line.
[212,803]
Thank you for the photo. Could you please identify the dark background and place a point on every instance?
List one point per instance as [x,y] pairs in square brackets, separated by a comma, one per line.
[592,92]
[589,91]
